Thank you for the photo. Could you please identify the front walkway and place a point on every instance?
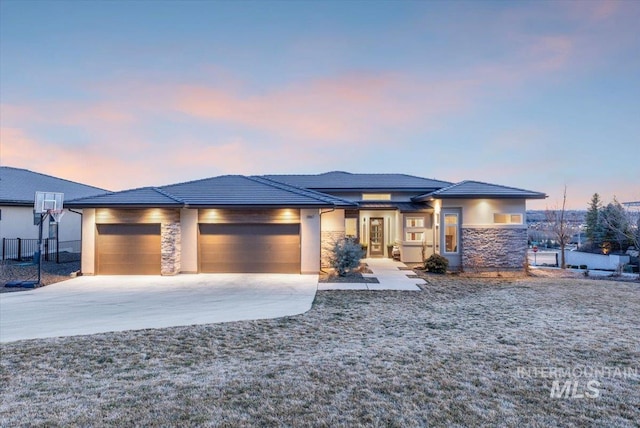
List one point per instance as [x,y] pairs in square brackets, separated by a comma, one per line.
[388,272]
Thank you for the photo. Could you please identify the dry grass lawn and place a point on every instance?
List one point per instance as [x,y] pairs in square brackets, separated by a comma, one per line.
[446,356]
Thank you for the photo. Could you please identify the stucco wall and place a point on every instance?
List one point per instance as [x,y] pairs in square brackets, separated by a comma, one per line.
[17,222]
[309,241]
[88,265]
[331,229]
[189,240]
[479,212]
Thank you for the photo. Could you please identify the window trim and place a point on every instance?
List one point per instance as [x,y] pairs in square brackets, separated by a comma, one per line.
[407,233]
[420,220]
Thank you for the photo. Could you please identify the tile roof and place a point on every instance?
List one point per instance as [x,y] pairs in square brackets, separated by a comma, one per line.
[142,197]
[340,180]
[478,189]
[226,190]
[18,186]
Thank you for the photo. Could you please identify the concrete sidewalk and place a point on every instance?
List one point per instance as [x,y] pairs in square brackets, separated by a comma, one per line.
[388,273]
[97,304]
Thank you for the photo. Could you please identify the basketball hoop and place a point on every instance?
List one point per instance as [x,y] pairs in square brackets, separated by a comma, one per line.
[56,215]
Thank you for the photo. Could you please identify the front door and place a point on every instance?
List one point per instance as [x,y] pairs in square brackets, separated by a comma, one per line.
[376,237]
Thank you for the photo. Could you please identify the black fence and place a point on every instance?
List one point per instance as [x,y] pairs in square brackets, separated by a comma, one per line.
[54,250]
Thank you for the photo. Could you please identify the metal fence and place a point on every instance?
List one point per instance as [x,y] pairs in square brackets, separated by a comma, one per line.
[54,250]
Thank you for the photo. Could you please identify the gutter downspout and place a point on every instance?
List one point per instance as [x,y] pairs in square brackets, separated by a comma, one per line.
[81,231]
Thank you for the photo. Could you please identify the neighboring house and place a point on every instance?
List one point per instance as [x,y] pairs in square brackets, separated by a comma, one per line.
[17,192]
[285,223]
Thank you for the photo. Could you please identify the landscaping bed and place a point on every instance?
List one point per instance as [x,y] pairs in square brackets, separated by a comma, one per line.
[52,272]
[449,355]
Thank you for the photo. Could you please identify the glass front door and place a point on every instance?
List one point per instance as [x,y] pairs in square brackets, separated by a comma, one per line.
[376,237]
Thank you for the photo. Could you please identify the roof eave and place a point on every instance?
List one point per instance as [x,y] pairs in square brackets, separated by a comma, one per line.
[486,196]
[112,205]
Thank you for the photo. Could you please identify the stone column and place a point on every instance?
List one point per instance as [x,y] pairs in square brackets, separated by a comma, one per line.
[170,241]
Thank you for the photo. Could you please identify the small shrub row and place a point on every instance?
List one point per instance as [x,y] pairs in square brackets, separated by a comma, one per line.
[583,267]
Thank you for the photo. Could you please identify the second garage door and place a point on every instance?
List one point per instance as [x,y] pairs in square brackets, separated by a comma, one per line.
[250,248]
[128,249]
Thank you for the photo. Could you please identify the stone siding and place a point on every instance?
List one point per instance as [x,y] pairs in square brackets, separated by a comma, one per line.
[327,239]
[493,248]
[170,251]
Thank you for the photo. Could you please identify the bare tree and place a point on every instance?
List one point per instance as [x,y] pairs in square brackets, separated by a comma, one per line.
[562,232]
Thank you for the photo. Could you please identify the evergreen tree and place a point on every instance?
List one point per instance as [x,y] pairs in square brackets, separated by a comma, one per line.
[615,225]
[594,229]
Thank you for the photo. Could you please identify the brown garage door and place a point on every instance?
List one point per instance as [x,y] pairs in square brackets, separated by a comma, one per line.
[128,249]
[250,248]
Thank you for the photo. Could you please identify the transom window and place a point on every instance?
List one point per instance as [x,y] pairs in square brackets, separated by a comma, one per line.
[376,196]
[415,221]
[501,218]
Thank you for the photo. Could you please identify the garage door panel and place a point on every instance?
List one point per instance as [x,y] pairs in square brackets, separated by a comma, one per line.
[250,248]
[128,249]
[255,267]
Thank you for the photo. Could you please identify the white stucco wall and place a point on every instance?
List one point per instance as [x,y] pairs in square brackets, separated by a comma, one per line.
[189,240]
[310,240]
[333,221]
[88,241]
[17,222]
[479,212]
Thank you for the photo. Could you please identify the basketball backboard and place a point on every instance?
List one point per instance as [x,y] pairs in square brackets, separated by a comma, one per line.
[48,201]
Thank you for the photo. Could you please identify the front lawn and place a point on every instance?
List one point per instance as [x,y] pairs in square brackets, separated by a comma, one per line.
[461,352]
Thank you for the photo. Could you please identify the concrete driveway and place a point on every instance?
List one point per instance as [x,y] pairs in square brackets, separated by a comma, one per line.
[97,304]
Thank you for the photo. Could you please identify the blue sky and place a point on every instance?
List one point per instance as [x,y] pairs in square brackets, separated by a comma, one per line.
[532,94]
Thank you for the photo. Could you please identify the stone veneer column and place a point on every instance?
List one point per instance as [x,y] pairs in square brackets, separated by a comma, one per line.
[493,248]
[328,239]
[170,238]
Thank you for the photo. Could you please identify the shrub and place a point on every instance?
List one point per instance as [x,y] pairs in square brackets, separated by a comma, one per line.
[436,264]
[345,255]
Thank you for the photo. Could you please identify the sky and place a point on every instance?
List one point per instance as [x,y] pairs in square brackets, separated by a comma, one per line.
[121,94]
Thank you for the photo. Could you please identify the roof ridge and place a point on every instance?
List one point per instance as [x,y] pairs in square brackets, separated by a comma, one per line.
[199,180]
[323,197]
[168,195]
[493,184]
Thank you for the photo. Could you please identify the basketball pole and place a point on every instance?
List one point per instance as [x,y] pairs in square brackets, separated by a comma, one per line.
[42,217]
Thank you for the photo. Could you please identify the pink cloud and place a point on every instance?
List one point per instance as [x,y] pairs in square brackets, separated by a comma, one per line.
[347,108]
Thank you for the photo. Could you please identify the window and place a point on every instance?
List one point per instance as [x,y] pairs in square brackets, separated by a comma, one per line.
[451,233]
[415,221]
[500,218]
[414,236]
[351,227]
[376,196]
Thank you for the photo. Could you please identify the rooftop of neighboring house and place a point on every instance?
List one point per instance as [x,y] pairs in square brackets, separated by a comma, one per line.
[18,186]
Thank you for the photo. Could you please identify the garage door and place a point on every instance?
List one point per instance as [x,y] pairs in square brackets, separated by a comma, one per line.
[251,248]
[128,249]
